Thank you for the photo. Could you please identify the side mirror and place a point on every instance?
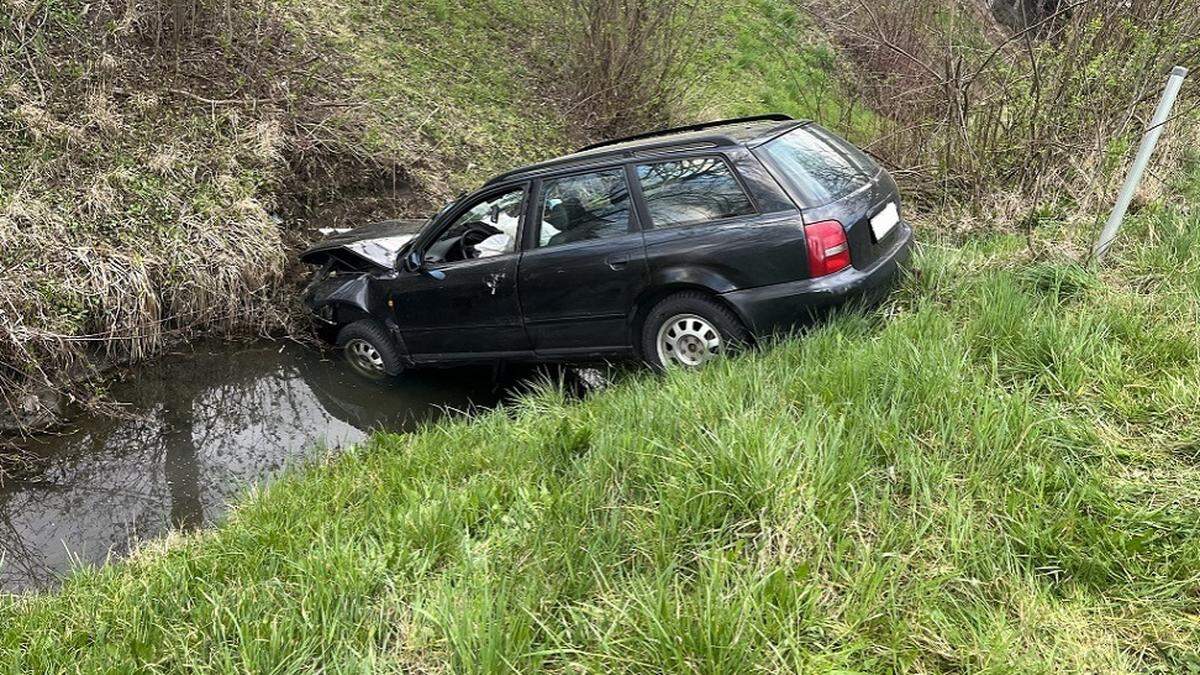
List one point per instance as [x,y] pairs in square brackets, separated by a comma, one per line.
[415,262]
[411,262]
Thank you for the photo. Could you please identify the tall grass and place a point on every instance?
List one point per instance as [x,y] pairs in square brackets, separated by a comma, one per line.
[767,55]
[995,472]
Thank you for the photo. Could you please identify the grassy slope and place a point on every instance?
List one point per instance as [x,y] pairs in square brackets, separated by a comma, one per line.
[767,57]
[997,472]
[449,91]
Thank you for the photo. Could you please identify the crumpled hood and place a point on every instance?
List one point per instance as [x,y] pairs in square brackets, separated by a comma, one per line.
[375,245]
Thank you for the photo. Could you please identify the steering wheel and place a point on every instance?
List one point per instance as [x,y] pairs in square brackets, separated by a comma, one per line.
[475,234]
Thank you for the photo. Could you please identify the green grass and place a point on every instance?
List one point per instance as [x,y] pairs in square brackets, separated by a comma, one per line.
[450,88]
[997,472]
[766,56]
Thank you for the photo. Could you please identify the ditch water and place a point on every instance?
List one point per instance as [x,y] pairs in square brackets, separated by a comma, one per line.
[198,429]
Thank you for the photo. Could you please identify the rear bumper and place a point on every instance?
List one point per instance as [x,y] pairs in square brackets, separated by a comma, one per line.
[769,309]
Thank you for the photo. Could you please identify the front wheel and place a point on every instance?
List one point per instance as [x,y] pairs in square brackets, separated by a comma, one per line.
[688,330]
[369,350]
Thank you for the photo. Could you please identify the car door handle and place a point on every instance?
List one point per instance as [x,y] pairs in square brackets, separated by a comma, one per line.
[617,261]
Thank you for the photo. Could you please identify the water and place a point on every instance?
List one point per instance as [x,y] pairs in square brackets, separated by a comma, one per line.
[199,429]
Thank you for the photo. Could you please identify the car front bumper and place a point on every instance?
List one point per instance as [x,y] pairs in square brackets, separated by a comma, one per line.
[770,309]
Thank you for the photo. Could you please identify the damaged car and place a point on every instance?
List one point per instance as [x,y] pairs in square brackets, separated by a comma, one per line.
[673,247]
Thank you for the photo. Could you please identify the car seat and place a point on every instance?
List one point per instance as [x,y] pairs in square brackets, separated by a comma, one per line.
[566,216]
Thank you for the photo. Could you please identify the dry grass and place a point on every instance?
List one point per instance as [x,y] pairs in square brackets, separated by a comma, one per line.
[143,148]
[628,64]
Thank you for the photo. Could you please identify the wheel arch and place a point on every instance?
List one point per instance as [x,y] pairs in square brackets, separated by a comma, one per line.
[344,313]
[332,315]
[356,300]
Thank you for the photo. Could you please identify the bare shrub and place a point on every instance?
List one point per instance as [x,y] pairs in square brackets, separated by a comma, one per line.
[969,108]
[627,62]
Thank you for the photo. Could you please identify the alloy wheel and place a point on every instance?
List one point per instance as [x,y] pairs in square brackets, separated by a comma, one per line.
[365,358]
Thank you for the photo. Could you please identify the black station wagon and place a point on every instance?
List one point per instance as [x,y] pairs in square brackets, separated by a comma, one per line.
[671,247]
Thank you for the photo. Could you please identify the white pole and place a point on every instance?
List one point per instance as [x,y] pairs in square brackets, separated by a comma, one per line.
[1149,141]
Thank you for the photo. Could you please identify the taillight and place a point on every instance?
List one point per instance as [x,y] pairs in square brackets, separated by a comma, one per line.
[828,251]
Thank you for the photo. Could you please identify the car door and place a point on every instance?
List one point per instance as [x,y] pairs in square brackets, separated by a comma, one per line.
[463,305]
[584,264]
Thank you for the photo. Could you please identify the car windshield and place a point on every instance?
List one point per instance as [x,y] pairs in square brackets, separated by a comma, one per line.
[820,166]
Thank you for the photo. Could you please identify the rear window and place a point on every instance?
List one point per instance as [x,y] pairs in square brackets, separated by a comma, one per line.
[691,191]
[821,166]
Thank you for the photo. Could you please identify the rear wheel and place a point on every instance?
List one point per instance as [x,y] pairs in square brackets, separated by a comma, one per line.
[369,350]
[687,330]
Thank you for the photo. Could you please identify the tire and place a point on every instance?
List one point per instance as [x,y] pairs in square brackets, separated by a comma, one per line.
[703,329]
[369,350]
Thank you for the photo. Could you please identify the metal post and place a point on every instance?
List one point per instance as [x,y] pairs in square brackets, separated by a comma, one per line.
[1149,141]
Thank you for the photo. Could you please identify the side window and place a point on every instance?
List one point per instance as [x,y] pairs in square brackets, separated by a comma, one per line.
[586,206]
[692,191]
[488,228]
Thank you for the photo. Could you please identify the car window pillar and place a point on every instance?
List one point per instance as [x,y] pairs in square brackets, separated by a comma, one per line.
[533,217]
[639,199]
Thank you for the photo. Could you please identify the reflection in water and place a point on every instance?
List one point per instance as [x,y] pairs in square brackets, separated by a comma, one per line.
[202,428]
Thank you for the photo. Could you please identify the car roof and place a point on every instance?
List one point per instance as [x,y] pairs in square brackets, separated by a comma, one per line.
[743,131]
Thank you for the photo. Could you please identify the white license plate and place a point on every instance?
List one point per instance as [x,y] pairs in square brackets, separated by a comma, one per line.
[885,220]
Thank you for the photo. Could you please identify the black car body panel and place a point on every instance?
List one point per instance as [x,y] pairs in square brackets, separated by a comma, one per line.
[781,307]
[430,312]
[730,255]
[507,272]
[576,297]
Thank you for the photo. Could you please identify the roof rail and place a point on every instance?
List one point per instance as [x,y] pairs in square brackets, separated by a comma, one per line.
[772,117]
